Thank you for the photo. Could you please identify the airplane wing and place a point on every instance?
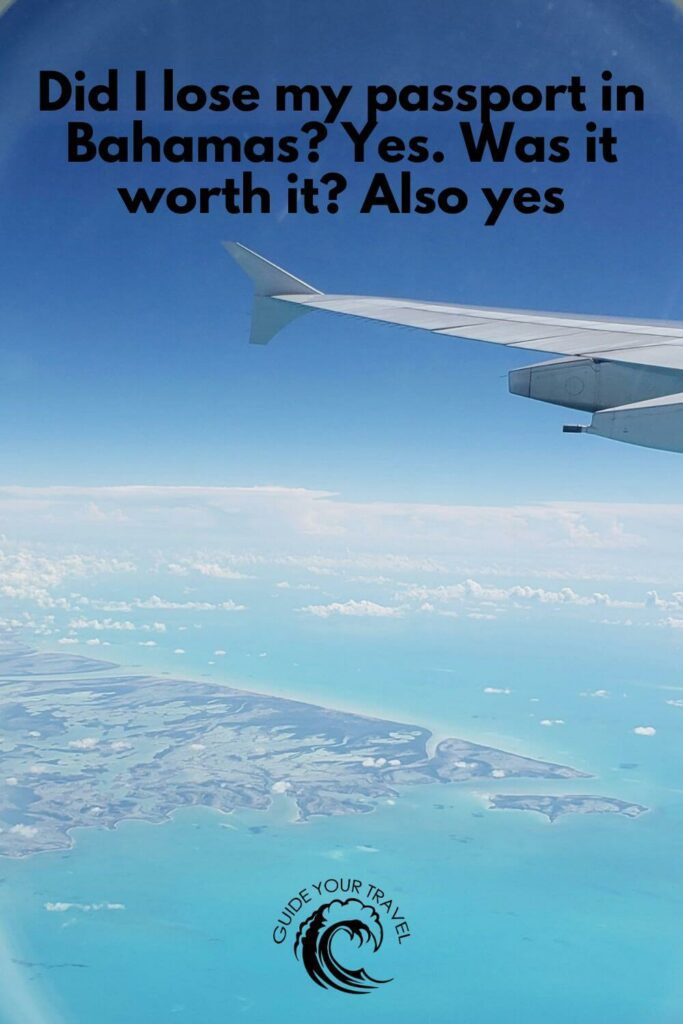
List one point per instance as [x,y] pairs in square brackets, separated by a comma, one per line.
[628,373]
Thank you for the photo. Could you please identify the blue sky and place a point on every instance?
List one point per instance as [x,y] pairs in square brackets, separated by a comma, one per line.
[124,355]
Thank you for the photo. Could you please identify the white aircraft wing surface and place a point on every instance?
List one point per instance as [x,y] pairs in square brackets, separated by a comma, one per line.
[632,369]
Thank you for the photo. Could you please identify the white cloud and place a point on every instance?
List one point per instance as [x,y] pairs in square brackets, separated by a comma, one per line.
[156,602]
[284,585]
[219,653]
[353,608]
[519,594]
[25,831]
[496,689]
[411,531]
[62,908]
[86,743]
[116,625]
[32,575]
[210,569]
[179,650]
[399,545]
[551,721]
[645,730]
[101,624]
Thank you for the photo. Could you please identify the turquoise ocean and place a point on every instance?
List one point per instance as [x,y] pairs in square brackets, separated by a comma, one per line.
[511,918]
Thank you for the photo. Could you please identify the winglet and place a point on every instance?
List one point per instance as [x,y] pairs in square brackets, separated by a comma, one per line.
[269,312]
[268,278]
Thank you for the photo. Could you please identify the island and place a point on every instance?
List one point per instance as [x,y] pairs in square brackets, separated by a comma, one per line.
[553,807]
[88,745]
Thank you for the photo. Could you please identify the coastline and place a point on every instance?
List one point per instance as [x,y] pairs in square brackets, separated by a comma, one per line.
[164,741]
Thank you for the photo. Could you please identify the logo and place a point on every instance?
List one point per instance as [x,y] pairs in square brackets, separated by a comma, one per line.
[335,927]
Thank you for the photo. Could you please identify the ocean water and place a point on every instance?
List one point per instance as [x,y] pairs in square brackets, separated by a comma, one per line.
[511,918]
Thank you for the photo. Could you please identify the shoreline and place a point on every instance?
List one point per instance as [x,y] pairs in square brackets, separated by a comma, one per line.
[163,745]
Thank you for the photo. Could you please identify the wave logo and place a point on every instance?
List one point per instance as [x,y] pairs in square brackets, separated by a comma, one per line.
[335,926]
[318,943]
